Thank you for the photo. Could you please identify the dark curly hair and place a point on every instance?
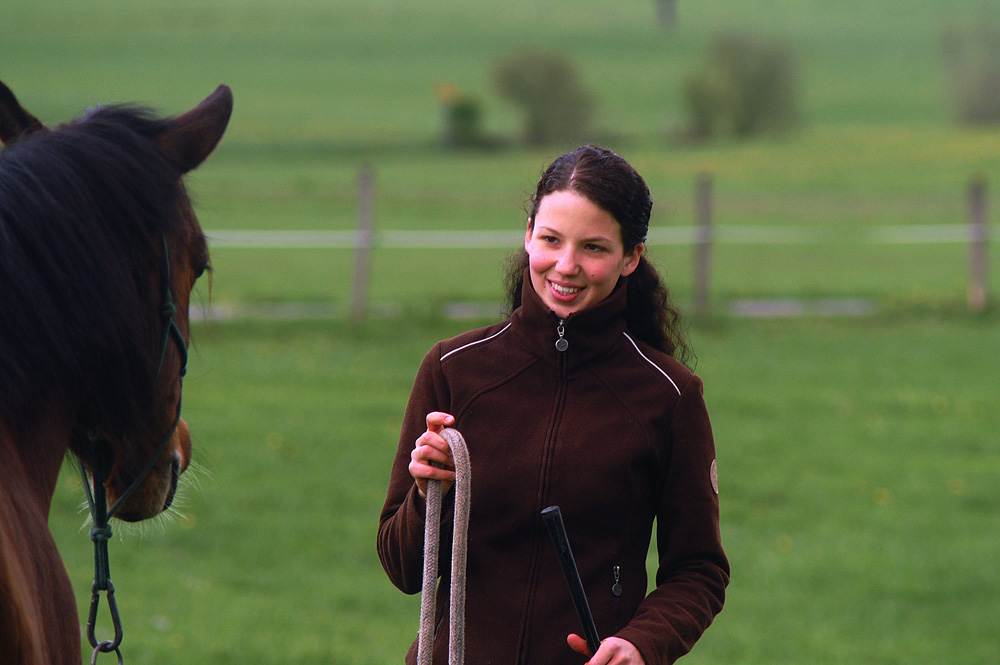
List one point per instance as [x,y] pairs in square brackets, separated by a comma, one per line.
[611,183]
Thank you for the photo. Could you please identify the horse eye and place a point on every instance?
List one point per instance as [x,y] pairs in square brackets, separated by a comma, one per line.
[200,264]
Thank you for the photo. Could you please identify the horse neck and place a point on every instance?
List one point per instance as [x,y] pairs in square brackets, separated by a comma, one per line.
[38,618]
[32,456]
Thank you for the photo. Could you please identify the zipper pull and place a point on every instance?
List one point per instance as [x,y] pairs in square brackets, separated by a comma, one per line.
[561,343]
[616,588]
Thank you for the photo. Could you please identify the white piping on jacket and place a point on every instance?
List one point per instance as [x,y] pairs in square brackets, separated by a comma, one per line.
[657,367]
[478,341]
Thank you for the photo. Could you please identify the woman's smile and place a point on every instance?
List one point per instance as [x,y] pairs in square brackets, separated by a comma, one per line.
[565,291]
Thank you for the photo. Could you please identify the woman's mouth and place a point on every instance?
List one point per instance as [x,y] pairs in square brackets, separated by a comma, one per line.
[565,291]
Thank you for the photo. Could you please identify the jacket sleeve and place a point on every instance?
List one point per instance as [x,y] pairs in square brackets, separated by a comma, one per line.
[401,524]
[693,570]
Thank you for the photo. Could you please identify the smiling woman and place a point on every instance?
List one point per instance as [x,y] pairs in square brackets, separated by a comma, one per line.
[576,400]
[575,251]
[582,192]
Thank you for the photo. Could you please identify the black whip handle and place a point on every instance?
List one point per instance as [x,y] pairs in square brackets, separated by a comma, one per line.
[552,517]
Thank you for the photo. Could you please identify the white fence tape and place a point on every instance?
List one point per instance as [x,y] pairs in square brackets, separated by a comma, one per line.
[899,234]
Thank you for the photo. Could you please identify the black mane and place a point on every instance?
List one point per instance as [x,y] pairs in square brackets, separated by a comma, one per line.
[84,209]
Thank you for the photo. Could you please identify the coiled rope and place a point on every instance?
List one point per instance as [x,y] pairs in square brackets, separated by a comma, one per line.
[432,537]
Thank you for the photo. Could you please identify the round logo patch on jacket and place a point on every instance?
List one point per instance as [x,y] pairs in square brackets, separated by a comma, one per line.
[714,475]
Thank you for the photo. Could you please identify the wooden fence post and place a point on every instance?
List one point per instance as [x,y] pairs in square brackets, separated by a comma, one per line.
[703,246]
[362,251]
[978,264]
[666,13]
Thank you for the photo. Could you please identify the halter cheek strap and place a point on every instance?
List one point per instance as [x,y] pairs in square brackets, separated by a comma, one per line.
[100,531]
[170,329]
[167,313]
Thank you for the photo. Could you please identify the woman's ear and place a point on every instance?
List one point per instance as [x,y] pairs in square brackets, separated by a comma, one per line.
[632,259]
[527,234]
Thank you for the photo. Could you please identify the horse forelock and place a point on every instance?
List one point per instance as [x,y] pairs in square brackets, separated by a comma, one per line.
[83,210]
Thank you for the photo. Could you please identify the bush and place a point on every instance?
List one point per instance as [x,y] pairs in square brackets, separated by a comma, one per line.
[972,60]
[557,108]
[462,117]
[747,87]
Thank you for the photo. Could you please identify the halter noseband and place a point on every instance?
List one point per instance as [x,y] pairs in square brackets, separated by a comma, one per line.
[100,531]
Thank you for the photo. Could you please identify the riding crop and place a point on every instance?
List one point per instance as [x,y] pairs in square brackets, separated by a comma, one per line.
[552,517]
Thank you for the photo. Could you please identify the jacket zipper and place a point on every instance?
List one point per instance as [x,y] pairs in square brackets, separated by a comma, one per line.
[562,344]
[616,591]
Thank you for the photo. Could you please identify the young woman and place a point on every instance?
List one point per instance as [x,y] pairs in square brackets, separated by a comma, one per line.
[579,399]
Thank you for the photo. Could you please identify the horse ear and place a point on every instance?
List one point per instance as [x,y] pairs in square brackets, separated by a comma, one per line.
[15,122]
[191,137]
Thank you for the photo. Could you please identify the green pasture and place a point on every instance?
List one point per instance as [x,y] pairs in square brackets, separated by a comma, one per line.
[858,475]
[858,456]
[324,88]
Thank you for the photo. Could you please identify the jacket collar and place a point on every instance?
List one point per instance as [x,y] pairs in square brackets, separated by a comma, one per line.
[589,333]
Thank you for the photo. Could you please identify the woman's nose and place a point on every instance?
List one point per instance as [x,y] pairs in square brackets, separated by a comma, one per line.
[567,262]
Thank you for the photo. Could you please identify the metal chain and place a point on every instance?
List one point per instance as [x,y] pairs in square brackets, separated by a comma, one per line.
[106,646]
[100,532]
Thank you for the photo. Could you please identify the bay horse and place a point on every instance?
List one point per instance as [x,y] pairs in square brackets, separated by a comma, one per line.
[99,251]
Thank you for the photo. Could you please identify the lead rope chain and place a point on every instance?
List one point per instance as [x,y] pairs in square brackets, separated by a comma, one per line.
[432,537]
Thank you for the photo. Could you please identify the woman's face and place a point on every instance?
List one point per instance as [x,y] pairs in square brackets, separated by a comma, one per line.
[575,253]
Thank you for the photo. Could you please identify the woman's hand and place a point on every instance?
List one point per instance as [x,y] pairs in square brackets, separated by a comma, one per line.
[431,458]
[613,651]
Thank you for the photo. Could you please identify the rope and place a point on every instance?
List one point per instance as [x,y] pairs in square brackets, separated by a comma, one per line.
[432,537]
[100,533]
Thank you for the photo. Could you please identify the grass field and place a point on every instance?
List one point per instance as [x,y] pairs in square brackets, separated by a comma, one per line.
[858,474]
[858,457]
[324,88]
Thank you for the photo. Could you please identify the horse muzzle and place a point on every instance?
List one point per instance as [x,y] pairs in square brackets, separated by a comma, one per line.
[157,491]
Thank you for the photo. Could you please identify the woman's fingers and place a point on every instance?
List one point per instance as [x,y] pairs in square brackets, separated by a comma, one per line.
[613,651]
[438,420]
[431,447]
[429,462]
[431,457]
[578,644]
[423,470]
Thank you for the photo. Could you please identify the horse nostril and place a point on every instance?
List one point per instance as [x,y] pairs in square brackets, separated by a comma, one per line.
[175,474]
[182,445]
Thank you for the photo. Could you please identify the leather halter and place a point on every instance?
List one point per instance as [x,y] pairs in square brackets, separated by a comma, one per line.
[100,530]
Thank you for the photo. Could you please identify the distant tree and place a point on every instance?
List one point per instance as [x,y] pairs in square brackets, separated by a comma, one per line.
[747,87]
[557,108]
[972,61]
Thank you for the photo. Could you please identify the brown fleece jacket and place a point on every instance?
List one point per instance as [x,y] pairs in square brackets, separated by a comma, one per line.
[612,431]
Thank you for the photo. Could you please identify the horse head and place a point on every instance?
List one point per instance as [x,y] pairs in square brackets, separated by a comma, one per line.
[186,142]
[150,262]
[144,489]
[99,251]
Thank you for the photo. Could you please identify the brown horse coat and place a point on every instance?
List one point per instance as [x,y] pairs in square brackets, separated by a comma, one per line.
[95,225]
